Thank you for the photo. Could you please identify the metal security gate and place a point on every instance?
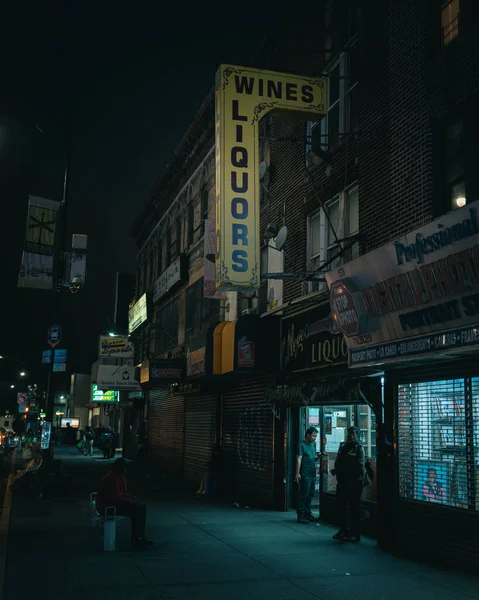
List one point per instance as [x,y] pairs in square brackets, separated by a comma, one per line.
[166,419]
[438,458]
[200,435]
[248,434]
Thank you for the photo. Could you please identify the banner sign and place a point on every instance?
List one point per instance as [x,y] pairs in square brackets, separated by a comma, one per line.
[454,339]
[311,340]
[117,378]
[138,314]
[21,398]
[427,282]
[36,270]
[171,277]
[115,347]
[243,97]
[54,335]
[195,362]
[98,395]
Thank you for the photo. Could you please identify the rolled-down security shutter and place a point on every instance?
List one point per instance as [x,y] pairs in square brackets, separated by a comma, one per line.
[166,420]
[437,457]
[200,434]
[248,433]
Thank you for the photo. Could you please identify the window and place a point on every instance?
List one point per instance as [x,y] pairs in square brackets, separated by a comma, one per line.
[166,327]
[204,208]
[343,110]
[168,248]
[191,223]
[341,221]
[454,165]
[200,311]
[179,227]
[438,442]
[449,21]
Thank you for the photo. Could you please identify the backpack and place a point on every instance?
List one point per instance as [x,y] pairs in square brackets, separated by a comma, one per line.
[369,473]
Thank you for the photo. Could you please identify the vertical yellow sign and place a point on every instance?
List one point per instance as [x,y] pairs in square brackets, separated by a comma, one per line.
[243,97]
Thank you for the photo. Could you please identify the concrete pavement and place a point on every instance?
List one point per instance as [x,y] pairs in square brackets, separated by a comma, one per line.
[202,551]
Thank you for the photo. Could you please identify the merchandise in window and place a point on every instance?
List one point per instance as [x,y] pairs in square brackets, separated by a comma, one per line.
[450,21]
[437,446]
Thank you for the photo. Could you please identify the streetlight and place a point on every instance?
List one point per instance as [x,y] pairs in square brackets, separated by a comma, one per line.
[22,374]
[12,386]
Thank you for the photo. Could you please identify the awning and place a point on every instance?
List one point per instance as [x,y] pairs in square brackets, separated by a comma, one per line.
[161,373]
[246,345]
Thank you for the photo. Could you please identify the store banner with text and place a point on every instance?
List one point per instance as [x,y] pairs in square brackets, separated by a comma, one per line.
[423,283]
[243,97]
[36,269]
[118,346]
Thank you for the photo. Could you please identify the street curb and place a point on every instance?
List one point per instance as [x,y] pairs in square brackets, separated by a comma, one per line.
[5,525]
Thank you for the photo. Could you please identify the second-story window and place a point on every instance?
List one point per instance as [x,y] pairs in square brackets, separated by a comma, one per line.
[166,326]
[449,21]
[204,208]
[179,231]
[191,223]
[200,311]
[342,221]
[343,111]
[168,247]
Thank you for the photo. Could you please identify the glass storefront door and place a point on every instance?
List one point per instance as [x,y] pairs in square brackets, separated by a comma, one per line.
[332,423]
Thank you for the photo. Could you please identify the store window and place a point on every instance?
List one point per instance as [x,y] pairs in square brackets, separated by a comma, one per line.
[449,21]
[437,444]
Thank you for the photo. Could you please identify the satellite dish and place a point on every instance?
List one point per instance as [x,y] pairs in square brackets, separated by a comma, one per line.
[281,238]
[263,168]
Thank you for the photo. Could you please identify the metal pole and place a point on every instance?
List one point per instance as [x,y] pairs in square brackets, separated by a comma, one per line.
[61,230]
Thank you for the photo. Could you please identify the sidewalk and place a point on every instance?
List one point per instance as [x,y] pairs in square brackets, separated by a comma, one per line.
[202,551]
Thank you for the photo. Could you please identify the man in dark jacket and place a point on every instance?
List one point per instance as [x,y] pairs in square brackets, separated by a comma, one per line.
[113,491]
[350,474]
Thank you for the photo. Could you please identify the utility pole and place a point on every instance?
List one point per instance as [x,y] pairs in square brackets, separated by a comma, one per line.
[60,244]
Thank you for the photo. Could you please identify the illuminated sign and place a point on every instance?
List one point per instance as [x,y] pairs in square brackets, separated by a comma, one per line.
[243,97]
[413,291]
[103,396]
[138,314]
[115,347]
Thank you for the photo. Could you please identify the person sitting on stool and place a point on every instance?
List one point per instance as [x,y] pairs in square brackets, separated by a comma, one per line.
[113,491]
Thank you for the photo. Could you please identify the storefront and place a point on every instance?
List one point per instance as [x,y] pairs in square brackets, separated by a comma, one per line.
[318,390]
[201,416]
[242,361]
[411,310]
[161,381]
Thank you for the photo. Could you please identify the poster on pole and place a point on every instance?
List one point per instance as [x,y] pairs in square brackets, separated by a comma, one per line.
[36,269]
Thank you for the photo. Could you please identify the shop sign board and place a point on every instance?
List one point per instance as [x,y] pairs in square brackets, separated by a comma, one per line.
[121,377]
[244,96]
[103,396]
[138,314]
[118,346]
[195,362]
[171,277]
[161,371]
[425,283]
[311,340]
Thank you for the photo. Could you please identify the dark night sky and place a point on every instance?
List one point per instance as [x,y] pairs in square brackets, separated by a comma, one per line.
[132,82]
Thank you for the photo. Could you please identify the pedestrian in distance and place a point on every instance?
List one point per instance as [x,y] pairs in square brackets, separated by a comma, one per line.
[113,492]
[89,438]
[305,475]
[351,476]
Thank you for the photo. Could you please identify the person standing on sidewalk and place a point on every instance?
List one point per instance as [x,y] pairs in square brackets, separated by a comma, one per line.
[89,437]
[306,475]
[350,472]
